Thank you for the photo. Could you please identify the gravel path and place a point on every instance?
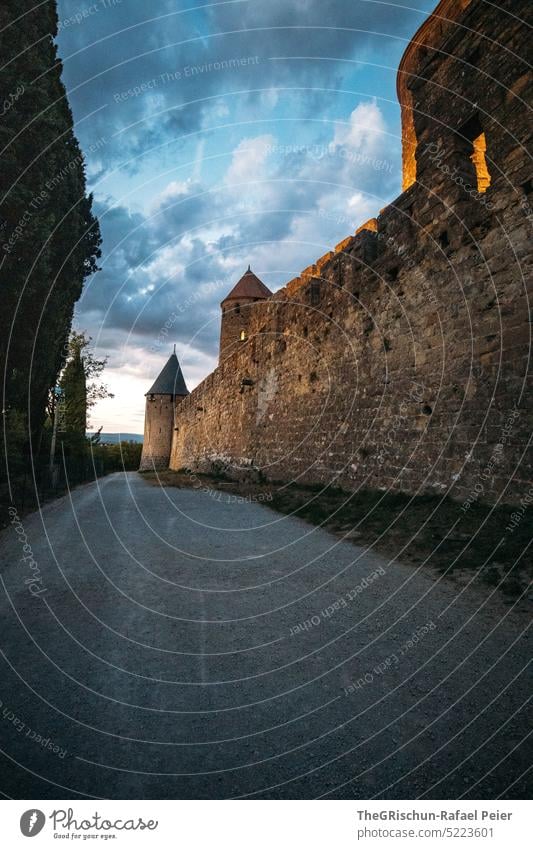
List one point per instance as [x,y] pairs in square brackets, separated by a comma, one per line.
[166,643]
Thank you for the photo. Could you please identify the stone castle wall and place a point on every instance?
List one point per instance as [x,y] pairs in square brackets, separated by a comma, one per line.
[158,432]
[236,317]
[401,360]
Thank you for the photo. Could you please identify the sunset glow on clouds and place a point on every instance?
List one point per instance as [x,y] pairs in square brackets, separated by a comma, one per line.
[227,134]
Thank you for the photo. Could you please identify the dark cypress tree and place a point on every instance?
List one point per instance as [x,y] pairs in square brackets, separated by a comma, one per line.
[49,238]
[74,385]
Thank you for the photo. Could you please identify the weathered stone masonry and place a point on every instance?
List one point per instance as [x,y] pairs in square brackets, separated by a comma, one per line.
[402,359]
[161,399]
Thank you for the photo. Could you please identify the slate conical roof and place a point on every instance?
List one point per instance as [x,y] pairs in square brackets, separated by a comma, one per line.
[170,380]
[249,286]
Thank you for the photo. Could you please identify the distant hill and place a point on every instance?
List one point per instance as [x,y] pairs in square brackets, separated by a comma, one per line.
[114,438]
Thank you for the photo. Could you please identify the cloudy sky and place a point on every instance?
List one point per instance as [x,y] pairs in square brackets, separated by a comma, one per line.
[217,135]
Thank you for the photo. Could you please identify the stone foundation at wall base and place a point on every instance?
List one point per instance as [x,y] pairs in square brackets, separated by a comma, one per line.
[153,464]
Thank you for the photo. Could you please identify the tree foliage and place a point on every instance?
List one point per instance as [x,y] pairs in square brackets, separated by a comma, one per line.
[83,369]
[73,384]
[49,237]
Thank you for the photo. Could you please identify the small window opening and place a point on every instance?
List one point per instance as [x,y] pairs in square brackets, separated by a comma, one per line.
[443,239]
[473,134]
[368,325]
[315,292]
[237,308]
[243,336]
[474,56]
[480,163]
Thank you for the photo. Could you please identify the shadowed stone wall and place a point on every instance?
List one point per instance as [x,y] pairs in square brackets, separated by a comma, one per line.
[235,319]
[158,432]
[401,360]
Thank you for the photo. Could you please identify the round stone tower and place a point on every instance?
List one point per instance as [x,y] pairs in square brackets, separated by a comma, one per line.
[236,311]
[161,399]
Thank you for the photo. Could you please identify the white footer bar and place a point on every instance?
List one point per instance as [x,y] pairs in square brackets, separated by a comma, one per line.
[267,824]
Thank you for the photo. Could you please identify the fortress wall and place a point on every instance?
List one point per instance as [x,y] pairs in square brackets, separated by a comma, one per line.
[236,318]
[401,360]
[158,431]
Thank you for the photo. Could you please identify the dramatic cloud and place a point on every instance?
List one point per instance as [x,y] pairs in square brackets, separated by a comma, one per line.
[215,136]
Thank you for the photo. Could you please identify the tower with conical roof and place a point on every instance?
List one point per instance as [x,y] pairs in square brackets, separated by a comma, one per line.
[237,310]
[161,399]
